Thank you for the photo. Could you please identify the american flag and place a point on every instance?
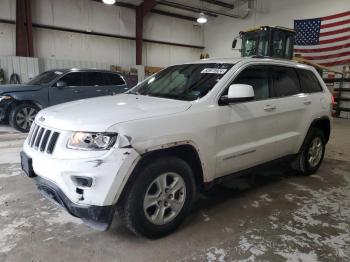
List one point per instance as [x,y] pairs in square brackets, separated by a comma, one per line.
[325,40]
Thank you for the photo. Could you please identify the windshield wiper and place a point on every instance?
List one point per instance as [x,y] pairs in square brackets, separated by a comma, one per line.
[134,93]
[172,96]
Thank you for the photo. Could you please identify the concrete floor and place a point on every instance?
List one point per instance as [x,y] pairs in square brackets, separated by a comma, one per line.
[282,217]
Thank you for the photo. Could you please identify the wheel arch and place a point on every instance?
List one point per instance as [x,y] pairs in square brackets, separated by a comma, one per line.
[17,102]
[324,124]
[186,152]
[13,111]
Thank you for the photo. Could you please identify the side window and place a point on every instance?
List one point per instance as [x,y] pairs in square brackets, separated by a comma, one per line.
[113,79]
[285,81]
[289,46]
[258,78]
[309,82]
[73,79]
[93,79]
[278,44]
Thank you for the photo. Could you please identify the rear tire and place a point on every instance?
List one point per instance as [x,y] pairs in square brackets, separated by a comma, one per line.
[154,209]
[311,154]
[22,116]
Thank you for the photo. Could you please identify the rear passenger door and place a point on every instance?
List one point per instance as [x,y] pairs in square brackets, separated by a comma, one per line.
[311,88]
[114,83]
[291,109]
[314,99]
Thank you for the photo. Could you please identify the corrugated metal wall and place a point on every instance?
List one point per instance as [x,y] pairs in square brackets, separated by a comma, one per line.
[48,64]
[29,67]
[25,67]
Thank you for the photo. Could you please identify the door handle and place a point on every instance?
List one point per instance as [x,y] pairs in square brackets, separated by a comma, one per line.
[307,102]
[270,108]
[99,90]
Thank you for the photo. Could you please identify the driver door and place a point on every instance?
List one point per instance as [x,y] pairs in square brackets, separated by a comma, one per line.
[245,128]
[73,82]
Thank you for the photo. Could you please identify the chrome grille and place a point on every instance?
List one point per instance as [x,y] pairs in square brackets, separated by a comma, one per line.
[42,139]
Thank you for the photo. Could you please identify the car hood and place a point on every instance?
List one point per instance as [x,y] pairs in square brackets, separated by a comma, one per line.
[7,89]
[98,114]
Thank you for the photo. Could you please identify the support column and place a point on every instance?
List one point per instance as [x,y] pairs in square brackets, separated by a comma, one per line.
[24,29]
[141,11]
[29,28]
[139,35]
[21,35]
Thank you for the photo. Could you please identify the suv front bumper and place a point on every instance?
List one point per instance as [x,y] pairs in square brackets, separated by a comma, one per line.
[99,217]
[5,106]
[94,204]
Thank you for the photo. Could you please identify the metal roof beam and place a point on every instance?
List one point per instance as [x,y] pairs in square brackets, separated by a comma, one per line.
[184,17]
[219,3]
[194,9]
[186,7]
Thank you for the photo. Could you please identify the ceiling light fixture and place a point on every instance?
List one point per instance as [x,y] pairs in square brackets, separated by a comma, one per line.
[202,18]
[109,2]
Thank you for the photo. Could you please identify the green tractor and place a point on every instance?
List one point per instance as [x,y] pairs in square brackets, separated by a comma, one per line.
[267,41]
[274,42]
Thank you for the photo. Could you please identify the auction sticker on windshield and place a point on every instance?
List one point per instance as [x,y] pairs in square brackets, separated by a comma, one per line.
[214,71]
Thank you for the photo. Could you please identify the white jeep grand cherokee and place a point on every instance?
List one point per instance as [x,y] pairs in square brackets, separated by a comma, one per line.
[148,152]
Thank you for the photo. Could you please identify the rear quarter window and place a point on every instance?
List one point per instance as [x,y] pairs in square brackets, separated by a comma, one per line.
[309,82]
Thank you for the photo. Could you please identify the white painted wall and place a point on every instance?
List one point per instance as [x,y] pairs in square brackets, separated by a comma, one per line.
[220,32]
[74,46]
[7,39]
[96,17]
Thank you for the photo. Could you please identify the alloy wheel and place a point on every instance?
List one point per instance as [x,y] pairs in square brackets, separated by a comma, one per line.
[315,152]
[25,117]
[164,198]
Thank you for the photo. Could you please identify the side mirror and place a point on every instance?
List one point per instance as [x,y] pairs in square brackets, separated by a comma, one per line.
[61,84]
[234,43]
[238,93]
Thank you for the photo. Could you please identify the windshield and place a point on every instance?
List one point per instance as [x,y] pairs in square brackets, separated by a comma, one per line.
[45,78]
[183,82]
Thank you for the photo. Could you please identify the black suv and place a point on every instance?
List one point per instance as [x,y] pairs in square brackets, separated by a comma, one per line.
[19,104]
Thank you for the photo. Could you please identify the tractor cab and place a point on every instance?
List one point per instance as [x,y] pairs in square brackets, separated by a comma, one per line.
[267,41]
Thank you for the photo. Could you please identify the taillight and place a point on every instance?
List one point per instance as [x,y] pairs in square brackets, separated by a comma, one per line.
[333,106]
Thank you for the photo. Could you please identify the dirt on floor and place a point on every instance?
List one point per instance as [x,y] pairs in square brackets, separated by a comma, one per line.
[280,217]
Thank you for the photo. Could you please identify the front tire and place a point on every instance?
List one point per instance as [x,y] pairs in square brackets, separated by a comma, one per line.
[159,198]
[22,116]
[311,154]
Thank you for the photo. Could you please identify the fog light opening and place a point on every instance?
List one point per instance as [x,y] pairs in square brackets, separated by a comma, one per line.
[79,181]
[80,192]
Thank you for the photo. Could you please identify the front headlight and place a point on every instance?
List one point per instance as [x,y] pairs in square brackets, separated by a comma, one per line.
[5,98]
[92,141]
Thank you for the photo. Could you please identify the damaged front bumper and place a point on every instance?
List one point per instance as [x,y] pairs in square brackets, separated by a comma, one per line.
[2,114]
[97,217]
[62,180]
[5,107]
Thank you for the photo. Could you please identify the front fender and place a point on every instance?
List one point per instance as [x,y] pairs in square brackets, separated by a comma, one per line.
[39,98]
